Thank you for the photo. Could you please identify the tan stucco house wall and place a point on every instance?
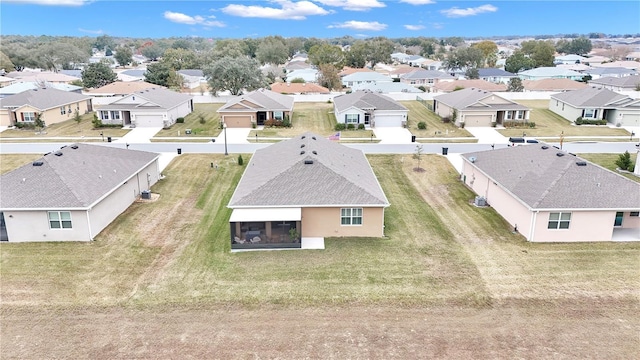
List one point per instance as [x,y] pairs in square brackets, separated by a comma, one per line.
[325,222]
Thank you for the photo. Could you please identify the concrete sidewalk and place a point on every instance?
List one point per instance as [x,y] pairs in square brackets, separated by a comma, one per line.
[392,135]
[234,136]
[487,135]
[139,135]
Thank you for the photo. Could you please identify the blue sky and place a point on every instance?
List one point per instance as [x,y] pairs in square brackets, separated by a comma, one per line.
[316,18]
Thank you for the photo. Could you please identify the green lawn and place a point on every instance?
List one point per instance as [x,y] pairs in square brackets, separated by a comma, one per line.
[211,127]
[9,162]
[549,123]
[315,117]
[435,127]
[69,128]
[439,250]
[608,161]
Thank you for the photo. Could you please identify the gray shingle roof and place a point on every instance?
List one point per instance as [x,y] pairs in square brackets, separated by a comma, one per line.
[495,72]
[77,179]
[543,180]
[191,72]
[625,81]
[163,98]
[264,99]
[278,176]
[426,74]
[366,100]
[465,98]
[590,97]
[42,99]
[366,76]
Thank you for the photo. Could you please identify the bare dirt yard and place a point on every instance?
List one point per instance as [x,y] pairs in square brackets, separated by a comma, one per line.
[449,281]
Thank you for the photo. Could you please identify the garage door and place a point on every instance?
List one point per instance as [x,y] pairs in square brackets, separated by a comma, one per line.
[477,120]
[630,119]
[388,121]
[241,121]
[149,121]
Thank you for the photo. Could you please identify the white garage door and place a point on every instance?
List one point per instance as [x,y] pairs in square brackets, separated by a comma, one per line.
[388,121]
[149,121]
[630,119]
[477,120]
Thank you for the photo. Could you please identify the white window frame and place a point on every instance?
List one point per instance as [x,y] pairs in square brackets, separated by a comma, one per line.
[29,116]
[63,110]
[115,115]
[590,113]
[520,114]
[509,115]
[351,216]
[104,115]
[62,219]
[278,115]
[351,118]
[559,221]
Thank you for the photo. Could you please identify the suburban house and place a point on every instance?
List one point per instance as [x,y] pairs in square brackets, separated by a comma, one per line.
[192,78]
[256,107]
[73,193]
[550,73]
[41,77]
[626,83]
[131,75]
[496,76]
[122,88]
[350,70]
[596,59]
[53,105]
[552,85]
[455,85]
[370,109]
[475,107]
[633,65]
[569,59]
[369,77]
[428,78]
[298,88]
[548,195]
[297,65]
[317,188]
[155,107]
[387,88]
[25,86]
[597,73]
[6,81]
[308,75]
[596,104]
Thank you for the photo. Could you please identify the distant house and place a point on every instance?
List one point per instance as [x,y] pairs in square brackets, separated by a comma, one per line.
[192,78]
[53,105]
[626,83]
[633,65]
[387,88]
[256,107]
[596,59]
[297,65]
[400,57]
[597,73]
[349,70]
[309,75]
[428,78]
[370,109]
[154,107]
[72,194]
[569,59]
[25,86]
[596,104]
[122,88]
[449,86]
[6,81]
[304,188]
[550,73]
[475,107]
[369,77]
[41,77]
[496,76]
[298,88]
[552,85]
[548,195]
[131,75]
[633,56]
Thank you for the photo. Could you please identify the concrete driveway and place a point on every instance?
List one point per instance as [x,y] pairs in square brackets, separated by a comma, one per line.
[393,135]
[487,135]
[234,136]
[139,135]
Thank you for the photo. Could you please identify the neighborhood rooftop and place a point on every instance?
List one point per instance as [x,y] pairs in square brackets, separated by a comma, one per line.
[473,97]
[73,177]
[308,170]
[366,100]
[265,99]
[544,177]
[591,97]
[42,98]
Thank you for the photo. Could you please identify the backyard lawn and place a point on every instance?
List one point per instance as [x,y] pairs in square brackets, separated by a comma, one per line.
[435,127]
[69,128]
[608,161]
[211,127]
[549,123]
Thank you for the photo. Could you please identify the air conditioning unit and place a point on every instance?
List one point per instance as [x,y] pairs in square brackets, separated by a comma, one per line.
[480,201]
[146,194]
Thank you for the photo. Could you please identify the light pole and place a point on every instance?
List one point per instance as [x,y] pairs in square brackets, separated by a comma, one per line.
[224,126]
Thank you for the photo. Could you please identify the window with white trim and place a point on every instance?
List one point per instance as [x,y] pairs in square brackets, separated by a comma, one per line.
[351,216]
[104,115]
[559,220]
[509,115]
[63,110]
[351,118]
[115,115]
[278,115]
[590,113]
[520,114]
[60,220]
[29,116]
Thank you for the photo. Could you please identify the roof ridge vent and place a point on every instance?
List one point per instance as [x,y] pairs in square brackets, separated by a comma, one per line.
[308,162]
[544,147]
[313,137]
[74,146]
[559,154]
[581,163]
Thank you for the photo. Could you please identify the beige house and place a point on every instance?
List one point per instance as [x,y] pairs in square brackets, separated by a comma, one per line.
[315,189]
[475,107]
[549,195]
[255,108]
[73,193]
[596,104]
[54,106]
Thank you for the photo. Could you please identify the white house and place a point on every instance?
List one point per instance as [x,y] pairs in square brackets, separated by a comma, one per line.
[370,109]
[365,77]
[596,104]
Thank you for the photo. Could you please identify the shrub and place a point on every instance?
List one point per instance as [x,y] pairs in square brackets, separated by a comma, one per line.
[494,124]
[202,119]
[422,125]
[25,125]
[253,125]
[446,119]
[240,160]
[97,123]
[581,121]
[351,126]
[462,125]
[360,126]
[578,121]
[422,88]
[270,123]
[624,161]
[340,127]
[286,122]
[329,101]
[531,124]
[180,120]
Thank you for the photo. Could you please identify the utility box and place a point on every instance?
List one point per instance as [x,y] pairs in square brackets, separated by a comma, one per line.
[146,194]
[480,201]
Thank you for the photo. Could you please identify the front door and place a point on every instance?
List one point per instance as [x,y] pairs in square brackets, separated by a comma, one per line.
[367,118]
[3,228]
[618,221]
[262,116]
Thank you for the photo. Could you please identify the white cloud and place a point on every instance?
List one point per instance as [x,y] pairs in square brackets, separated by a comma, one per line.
[437,26]
[360,25]
[455,12]
[96,32]
[288,10]
[181,18]
[353,5]
[414,27]
[51,2]
[418,2]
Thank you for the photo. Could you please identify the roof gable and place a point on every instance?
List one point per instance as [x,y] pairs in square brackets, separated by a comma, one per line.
[366,100]
[263,100]
[465,98]
[590,96]
[42,99]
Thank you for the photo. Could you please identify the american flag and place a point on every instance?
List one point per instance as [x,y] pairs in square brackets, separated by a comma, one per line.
[336,136]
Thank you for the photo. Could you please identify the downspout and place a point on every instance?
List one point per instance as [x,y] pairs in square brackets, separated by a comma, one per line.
[89,226]
[533,225]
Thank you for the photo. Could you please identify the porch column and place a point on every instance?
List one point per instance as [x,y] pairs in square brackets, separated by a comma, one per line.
[238,231]
[268,230]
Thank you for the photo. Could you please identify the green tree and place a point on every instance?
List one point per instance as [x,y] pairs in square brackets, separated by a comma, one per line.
[182,44]
[326,54]
[515,85]
[162,74]
[152,52]
[542,52]
[624,161]
[103,42]
[518,62]
[5,63]
[297,81]
[97,75]
[124,55]
[234,75]
[328,77]
[472,73]
[272,50]
[356,57]
[178,59]
[489,50]
[380,50]
[76,117]
[462,58]
[417,155]
[580,46]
